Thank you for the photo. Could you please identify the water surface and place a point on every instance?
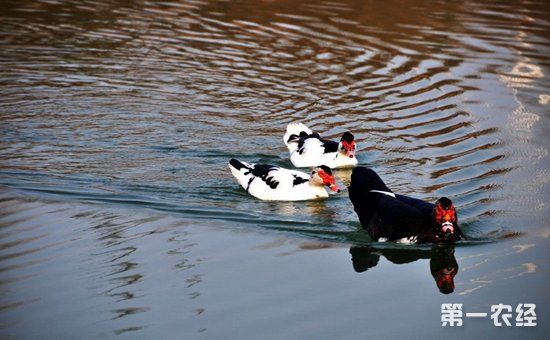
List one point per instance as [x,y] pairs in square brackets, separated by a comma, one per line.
[117,122]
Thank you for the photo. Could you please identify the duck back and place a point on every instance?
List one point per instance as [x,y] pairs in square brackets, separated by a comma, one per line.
[384,214]
[425,208]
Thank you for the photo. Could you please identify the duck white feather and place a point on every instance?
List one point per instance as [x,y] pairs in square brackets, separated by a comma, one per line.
[296,129]
[308,149]
[272,183]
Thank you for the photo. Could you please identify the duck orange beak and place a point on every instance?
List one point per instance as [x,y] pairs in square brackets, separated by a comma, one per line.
[331,183]
[334,187]
[328,180]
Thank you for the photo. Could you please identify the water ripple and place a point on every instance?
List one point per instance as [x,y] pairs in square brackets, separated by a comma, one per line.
[143,107]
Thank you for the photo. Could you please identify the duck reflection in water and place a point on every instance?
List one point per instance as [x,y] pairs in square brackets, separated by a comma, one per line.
[443,265]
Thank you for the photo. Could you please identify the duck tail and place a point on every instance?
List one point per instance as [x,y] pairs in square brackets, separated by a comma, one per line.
[293,133]
[242,171]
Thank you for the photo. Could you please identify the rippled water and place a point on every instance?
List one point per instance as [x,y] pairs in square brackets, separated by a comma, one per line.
[140,105]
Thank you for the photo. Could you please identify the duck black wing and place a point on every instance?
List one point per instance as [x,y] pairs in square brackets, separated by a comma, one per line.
[364,201]
[381,214]
[394,220]
[330,145]
[424,207]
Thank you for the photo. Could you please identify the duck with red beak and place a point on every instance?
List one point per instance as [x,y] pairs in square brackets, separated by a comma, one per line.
[389,216]
[272,183]
[308,149]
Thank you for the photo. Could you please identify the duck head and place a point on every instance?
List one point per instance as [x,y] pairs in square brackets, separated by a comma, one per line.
[347,144]
[322,175]
[445,220]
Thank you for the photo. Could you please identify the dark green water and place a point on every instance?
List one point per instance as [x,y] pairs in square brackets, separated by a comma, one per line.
[119,216]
